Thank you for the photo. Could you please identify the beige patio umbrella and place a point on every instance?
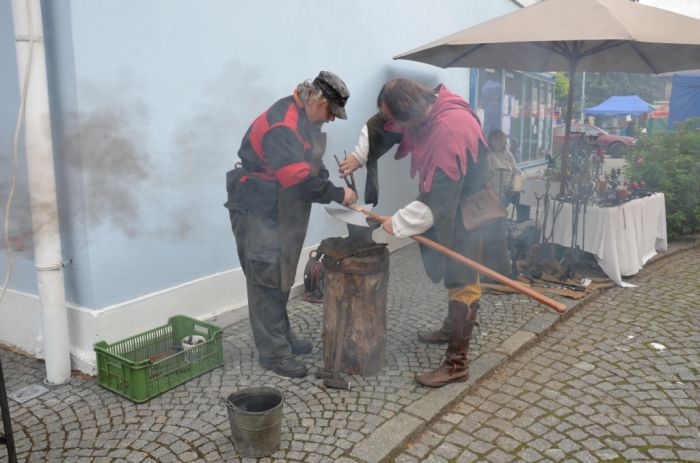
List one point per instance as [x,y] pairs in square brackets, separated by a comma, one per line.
[572,35]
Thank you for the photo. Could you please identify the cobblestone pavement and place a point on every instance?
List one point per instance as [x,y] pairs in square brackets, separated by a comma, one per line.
[599,386]
[617,381]
[81,421]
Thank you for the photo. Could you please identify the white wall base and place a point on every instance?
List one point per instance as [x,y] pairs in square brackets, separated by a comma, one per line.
[219,298]
[21,321]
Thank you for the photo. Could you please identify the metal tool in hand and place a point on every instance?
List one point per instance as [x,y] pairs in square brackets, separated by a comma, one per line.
[357,217]
[349,179]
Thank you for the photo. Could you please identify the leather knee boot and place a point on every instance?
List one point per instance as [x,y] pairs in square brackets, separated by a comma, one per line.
[439,335]
[455,366]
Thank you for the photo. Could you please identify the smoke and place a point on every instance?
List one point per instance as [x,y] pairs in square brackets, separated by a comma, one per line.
[105,166]
[110,178]
[105,150]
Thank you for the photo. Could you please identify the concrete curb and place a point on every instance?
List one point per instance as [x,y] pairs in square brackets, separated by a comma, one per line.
[390,437]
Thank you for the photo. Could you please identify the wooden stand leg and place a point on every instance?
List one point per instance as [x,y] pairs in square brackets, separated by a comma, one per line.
[361,300]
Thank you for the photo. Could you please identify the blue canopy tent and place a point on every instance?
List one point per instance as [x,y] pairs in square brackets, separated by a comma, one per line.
[620,106]
[685,98]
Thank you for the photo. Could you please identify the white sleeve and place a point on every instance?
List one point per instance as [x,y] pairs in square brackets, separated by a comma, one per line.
[413,219]
[361,151]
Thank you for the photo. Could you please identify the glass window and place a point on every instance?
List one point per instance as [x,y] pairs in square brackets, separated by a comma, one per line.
[530,132]
[490,93]
[512,123]
[521,105]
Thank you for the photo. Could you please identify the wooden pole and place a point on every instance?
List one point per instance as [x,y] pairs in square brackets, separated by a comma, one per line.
[566,149]
[529,292]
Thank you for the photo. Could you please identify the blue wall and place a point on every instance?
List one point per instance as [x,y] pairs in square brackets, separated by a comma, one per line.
[151,98]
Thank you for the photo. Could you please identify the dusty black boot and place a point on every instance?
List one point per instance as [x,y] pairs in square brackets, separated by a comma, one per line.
[299,346]
[455,366]
[290,366]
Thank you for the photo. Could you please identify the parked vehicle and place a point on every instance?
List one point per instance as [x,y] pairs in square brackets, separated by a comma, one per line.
[613,145]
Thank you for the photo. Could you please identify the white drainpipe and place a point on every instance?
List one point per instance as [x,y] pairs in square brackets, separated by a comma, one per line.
[29,42]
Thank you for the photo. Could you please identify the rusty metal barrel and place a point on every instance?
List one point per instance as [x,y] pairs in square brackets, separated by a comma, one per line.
[355,283]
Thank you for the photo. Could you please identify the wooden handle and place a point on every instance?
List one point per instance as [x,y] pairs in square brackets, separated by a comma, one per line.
[372,215]
[529,292]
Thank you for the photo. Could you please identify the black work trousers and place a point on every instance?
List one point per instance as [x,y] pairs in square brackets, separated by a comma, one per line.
[258,245]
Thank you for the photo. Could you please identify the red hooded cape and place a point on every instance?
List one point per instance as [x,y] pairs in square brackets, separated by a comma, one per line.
[451,130]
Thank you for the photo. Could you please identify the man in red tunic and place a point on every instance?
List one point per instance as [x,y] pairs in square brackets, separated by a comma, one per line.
[448,152]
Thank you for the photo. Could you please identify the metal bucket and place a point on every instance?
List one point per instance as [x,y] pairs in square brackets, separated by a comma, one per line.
[255,416]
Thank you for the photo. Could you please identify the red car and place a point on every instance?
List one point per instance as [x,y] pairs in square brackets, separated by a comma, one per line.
[613,145]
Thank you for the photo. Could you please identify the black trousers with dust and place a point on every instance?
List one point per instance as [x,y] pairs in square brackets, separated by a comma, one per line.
[258,245]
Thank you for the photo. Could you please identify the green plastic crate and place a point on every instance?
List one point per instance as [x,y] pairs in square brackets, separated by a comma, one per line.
[125,366]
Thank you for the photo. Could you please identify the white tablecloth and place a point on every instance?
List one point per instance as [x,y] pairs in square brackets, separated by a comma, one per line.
[532,187]
[622,238]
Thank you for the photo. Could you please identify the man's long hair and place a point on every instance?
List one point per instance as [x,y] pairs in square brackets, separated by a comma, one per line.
[405,99]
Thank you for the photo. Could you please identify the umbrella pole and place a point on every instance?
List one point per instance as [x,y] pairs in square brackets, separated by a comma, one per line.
[567,132]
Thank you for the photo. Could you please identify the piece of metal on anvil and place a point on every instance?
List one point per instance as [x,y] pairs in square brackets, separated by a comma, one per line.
[349,216]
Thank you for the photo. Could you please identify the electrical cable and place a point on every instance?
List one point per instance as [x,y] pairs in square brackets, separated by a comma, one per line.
[15,156]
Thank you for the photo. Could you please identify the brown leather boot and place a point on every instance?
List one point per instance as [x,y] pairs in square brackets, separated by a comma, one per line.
[455,366]
[437,336]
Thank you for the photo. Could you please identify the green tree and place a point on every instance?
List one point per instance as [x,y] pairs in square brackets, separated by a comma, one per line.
[561,89]
[602,85]
[670,162]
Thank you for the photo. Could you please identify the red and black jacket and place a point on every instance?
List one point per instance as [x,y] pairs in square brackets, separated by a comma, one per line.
[275,150]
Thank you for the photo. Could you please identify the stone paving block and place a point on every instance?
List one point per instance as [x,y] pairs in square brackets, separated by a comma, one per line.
[516,342]
[606,455]
[688,455]
[585,457]
[499,456]
[540,323]
[459,438]
[467,457]
[447,451]
[428,406]
[441,427]
[480,447]
[385,438]
[530,455]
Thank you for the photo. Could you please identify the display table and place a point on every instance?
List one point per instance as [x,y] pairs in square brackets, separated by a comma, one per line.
[532,187]
[622,238]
